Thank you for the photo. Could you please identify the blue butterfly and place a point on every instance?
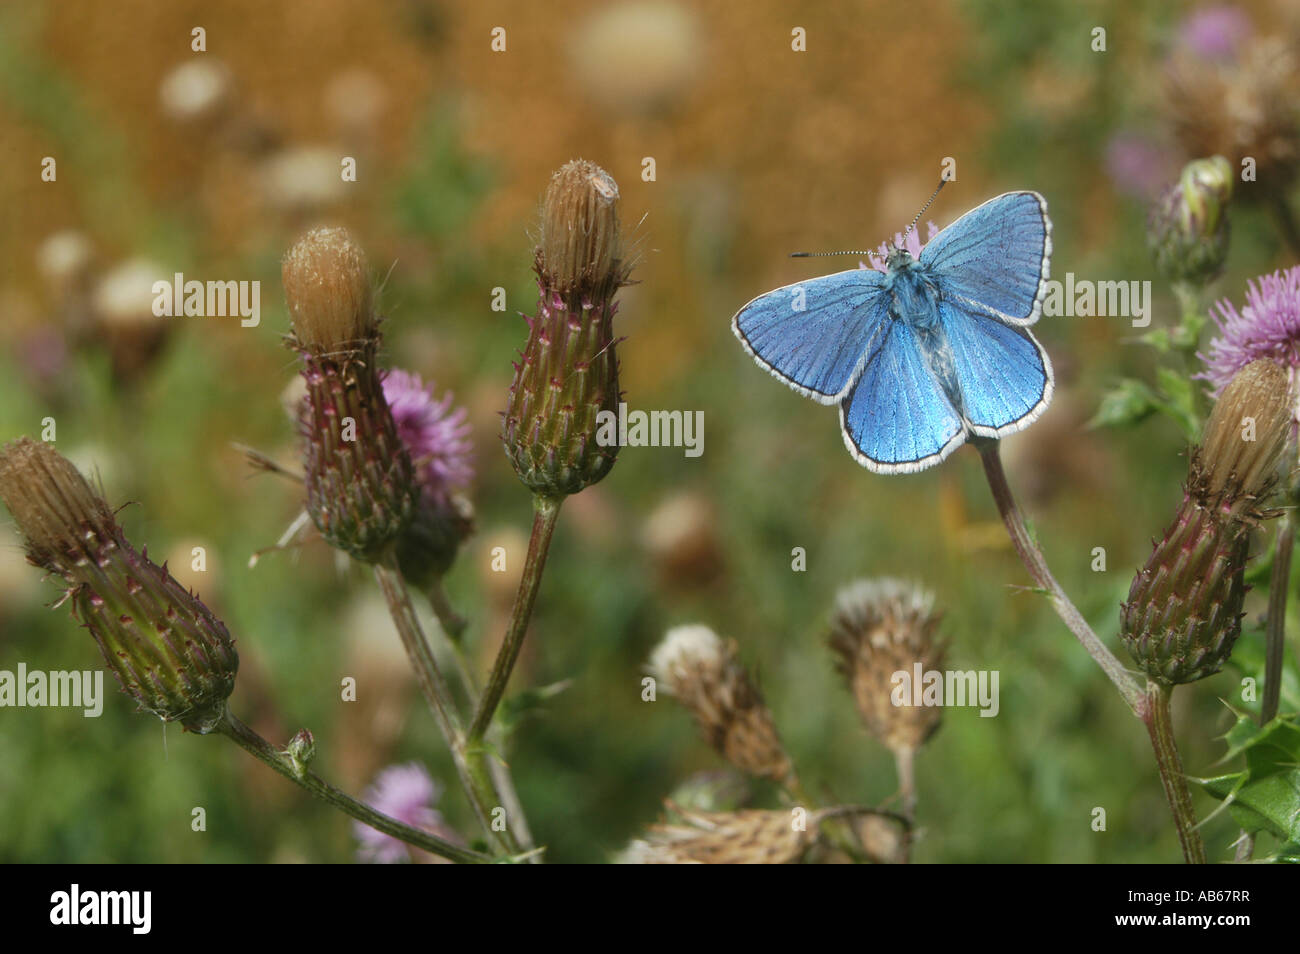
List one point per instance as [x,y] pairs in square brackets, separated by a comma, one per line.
[931,352]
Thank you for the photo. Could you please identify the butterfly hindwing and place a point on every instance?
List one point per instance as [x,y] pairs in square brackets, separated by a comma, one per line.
[1003,372]
[996,256]
[813,334]
[897,419]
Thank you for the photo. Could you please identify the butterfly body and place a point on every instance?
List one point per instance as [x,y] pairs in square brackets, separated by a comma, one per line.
[930,352]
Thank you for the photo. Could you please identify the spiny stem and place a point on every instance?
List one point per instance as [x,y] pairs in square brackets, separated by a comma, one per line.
[241,734]
[478,787]
[1274,644]
[545,512]
[1161,729]
[1275,639]
[1032,557]
[502,780]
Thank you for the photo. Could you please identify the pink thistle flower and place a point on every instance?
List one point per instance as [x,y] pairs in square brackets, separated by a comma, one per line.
[436,435]
[911,242]
[1137,165]
[1268,326]
[1214,32]
[407,793]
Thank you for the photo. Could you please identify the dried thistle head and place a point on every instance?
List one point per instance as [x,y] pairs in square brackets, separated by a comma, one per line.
[1183,614]
[168,651]
[1242,108]
[1244,439]
[362,491]
[567,374]
[327,284]
[881,627]
[753,837]
[63,521]
[706,675]
[581,245]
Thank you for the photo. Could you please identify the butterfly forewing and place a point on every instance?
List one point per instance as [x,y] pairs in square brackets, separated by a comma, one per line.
[813,334]
[996,256]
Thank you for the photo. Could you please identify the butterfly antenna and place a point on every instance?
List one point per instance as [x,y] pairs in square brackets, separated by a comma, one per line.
[823,254]
[933,196]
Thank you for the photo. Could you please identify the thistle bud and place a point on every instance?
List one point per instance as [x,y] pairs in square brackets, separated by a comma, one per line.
[881,627]
[1184,610]
[165,647]
[301,750]
[1187,230]
[753,837]
[707,677]
[361,488]
[568,371]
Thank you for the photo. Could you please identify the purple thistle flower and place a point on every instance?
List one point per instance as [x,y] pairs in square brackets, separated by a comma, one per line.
[436,436]
[911,242]
[1215,32]
[407,793]
[1268,326]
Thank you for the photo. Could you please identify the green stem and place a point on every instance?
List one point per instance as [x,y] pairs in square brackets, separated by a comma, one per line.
[502,780]
[545,512]
[1032,557]
[1161,729]
[478,786]
[235,730]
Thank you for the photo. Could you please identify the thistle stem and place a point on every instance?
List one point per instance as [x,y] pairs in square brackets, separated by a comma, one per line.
[905,765]
[1275,638]
[261,749]
[1161,729]
[1032,557]
[545,512]
[905,762]
[502,780]
[476,782]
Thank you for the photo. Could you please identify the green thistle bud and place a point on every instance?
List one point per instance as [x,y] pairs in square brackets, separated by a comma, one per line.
[568,371]
[361,490]
[1187,230]
[428,547]
[165,647]
[301,750]
[1184,610]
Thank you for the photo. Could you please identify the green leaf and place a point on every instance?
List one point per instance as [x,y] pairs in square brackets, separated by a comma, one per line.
[514,709]
[1127,403]
[1266,796]
[1158,339]
[1248,659]
[1179,401]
